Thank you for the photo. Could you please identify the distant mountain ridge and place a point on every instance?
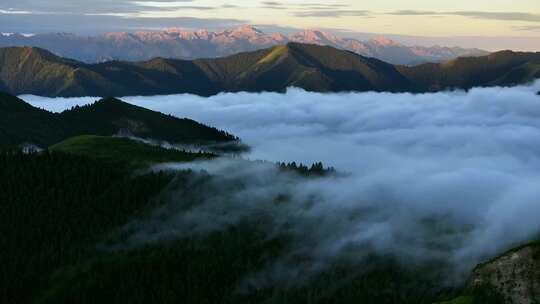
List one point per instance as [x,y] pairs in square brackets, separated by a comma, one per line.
[307,66]
[182,44]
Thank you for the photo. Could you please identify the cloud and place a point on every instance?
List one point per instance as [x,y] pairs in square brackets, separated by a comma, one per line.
[273,5]
[450,176]
[332,13]
[226,6]
[14,12]
[316,9]
[528,28]
[328,10]
[169,6]
[507,16]
[511,16]
[413,13]
[91,17]
[87,7]
[104,22]
[160,4]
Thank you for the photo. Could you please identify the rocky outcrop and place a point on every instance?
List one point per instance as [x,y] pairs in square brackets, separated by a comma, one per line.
[514,275]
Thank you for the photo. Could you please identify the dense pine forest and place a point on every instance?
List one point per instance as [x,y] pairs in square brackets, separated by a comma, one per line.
[59,211]
[54,207]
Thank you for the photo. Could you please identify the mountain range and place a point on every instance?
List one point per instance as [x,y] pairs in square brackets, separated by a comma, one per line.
[182,44]
[311,67]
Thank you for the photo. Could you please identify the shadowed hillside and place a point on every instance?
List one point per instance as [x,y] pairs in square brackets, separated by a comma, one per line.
[110,116]
[504,68]
[311,67]
[21,123]
[318,68]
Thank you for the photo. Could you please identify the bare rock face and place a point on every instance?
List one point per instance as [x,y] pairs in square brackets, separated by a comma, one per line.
[514,275]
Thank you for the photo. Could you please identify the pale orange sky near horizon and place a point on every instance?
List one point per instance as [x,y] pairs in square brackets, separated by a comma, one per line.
[412,17]
[517,19]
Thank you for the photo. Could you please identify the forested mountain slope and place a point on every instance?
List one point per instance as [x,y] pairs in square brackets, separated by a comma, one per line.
[504,68]
[21,123]
[311,67]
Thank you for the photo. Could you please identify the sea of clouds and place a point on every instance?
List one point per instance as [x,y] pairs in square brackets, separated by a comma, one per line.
[451,175]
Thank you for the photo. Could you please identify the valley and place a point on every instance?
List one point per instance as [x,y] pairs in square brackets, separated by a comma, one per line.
[269,152]
[120,207]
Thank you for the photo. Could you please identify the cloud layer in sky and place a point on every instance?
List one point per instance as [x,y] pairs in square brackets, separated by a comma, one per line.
[502,20]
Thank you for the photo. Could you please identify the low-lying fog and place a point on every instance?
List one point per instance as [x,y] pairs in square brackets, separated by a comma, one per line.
[468,160]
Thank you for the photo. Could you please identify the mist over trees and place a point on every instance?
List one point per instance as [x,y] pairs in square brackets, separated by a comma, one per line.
[393,200]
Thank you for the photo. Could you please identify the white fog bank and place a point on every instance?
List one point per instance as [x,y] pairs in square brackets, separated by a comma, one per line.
[308,127]
[470,158]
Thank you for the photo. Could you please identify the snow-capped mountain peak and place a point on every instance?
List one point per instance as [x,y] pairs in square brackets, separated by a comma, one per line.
[314,37]
[383,41]
[188,44]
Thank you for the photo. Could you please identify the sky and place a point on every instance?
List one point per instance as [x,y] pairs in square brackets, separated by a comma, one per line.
[516,23]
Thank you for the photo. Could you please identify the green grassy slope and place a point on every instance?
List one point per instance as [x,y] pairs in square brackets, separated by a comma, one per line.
[312,67]
[122,150]
[349,71]
[36,71]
